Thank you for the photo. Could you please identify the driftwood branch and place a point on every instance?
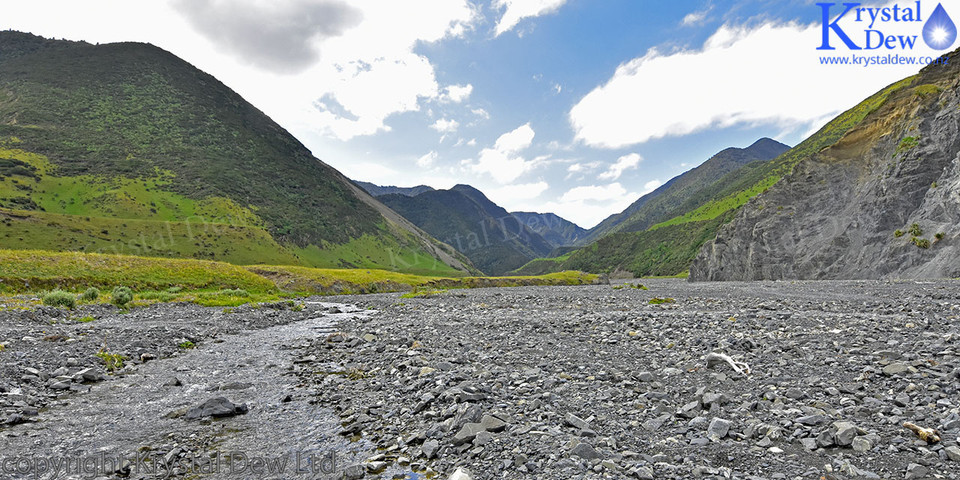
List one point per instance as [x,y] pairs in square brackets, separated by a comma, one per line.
[713,359]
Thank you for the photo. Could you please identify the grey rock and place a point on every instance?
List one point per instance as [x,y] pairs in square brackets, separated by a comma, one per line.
[861,444]
[845,433]
[216,407]
[430,448]
[461,474]
[812,420]
[718,429]
[895,369]
[492,424]
[643,473]
[953,453]
[467,433]
[586,451]
[916,472]
[576,422]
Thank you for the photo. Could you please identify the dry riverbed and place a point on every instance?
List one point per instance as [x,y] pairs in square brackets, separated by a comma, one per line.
[531,382]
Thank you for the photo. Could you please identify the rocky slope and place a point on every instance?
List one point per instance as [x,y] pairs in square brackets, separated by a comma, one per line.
[881,202]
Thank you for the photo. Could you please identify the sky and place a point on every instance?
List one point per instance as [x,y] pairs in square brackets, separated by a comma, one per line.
[575,107]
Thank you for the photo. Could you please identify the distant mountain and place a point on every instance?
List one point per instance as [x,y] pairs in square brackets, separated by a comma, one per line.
[378,191]
[554,229]
[873,195]
[685,192]
[662,232]
[494,240]
[125,148]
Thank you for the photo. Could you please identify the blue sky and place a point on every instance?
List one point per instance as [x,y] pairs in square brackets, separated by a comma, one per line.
[577,107]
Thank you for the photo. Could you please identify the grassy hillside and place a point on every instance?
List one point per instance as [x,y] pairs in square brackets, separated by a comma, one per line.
[493,239]
[129,131]
[692,187]
[669,247]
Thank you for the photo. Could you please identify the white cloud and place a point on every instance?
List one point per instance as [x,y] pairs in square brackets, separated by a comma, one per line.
[456,93]
[585,205]
[660,95]
[503,162]
[445,126]
[481,113]
[594,193]
[651,186]
[510,194]
[624,163]
[517,10]
[427,160]
[696,18]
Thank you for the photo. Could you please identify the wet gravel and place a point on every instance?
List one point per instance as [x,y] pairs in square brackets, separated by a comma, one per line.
[532,382]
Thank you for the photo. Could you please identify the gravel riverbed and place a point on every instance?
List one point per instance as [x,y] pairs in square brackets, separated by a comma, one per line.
[535,382]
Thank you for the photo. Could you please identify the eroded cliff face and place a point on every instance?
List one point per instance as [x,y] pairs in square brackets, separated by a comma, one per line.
[847,212]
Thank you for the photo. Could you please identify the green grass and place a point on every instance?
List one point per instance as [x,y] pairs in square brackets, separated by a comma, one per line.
[907,143]
[111,361]
[221,284]
[31,270]
[661,301]
[86,319]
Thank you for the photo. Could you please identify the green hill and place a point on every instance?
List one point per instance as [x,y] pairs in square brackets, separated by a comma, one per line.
[463,217]
[125,148]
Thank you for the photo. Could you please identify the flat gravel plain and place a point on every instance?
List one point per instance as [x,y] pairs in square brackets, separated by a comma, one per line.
[760,380]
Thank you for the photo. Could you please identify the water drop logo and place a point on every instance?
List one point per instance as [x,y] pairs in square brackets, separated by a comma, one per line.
[940,32]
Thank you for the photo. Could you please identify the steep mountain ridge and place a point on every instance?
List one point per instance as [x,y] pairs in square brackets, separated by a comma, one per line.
[882,201]
[378,191]
[556,230]
[686,191]
[130,131]
[662,232]
[463,217]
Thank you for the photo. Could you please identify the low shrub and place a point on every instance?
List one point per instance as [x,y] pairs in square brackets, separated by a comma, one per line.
[60,298]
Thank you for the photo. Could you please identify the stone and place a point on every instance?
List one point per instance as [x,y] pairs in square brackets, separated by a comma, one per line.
[895,369]
[461,474]
[809,443]
[646,377]
[846,432]
[576,422]
[718,429]
[862,444]
[216,407]
[355,472]
[916,472]
[483,438]
[586,451]
[430,448]
[492,424]
[643,473]
[690,410]
[953,453]
[812,420]
[467,433]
